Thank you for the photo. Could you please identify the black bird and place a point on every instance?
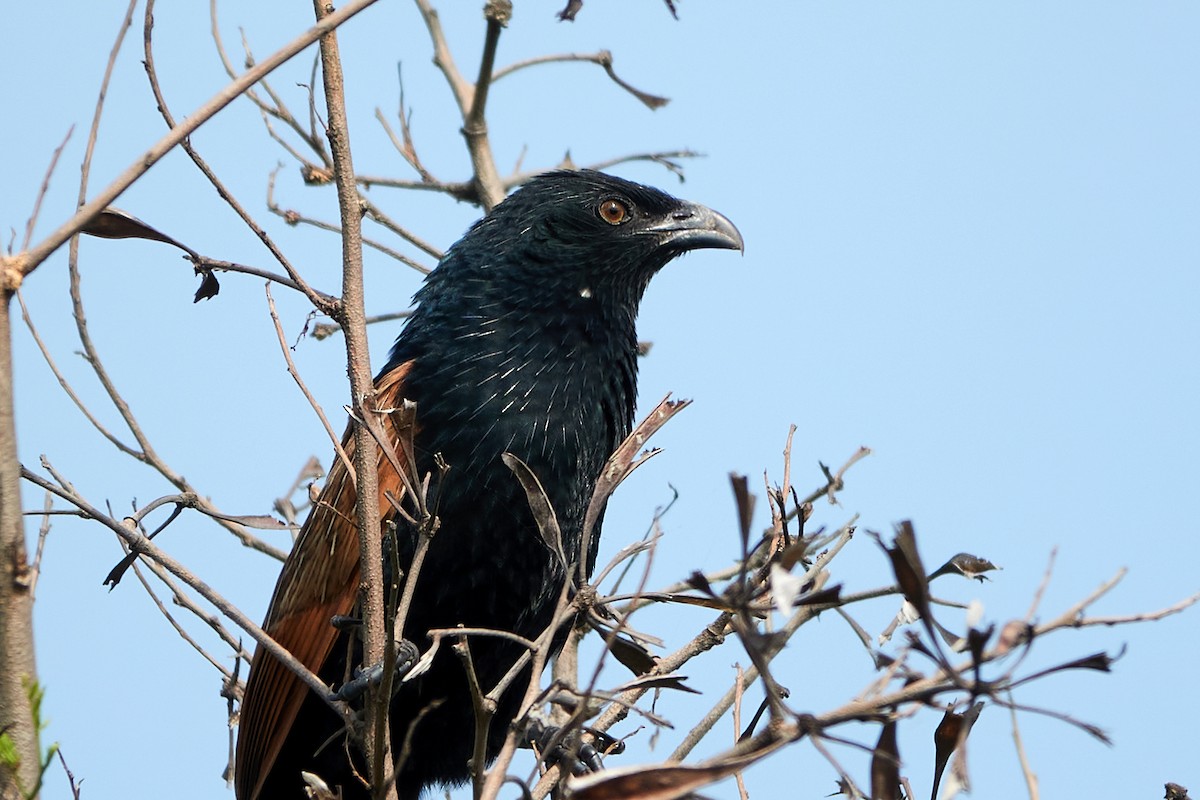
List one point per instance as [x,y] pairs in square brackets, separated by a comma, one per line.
[522,341]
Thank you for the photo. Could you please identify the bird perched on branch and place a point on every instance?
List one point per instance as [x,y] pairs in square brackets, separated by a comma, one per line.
[522,342]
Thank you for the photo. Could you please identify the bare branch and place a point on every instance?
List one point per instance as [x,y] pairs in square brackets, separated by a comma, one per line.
[321,301]
[45,187]
[602,58]
[25,262]
[377,742]
[295,373]
[147,549]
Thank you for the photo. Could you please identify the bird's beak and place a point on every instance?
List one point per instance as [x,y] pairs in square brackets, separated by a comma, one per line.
[693,226]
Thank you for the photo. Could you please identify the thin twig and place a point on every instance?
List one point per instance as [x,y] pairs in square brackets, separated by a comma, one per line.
[1031,780]
[147,549]
[35,568]
[295,373]
[179,629]
[25,262]
[45,187]
[321,301]
[603,58]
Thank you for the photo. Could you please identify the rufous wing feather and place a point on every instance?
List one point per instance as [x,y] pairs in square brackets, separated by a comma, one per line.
[319,580]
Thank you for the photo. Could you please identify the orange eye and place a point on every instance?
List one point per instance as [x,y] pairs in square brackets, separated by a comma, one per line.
[613,211]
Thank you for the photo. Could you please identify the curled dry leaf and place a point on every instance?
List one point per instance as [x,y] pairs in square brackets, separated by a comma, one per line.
[1015,633]
[967,565]
[1176,792]
[669,782]
[951,732]
[113,223]
[744,501]
[910,574]
[658,682]
[539,504]
[885,765]
[631,655]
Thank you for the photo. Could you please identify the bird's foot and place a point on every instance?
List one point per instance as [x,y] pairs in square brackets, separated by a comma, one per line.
[369,677]
[568,750]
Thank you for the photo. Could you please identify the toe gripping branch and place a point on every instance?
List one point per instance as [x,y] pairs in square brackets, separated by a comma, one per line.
[568,750]
[371,677]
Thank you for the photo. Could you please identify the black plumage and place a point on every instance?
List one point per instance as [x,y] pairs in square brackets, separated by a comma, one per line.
[522,341]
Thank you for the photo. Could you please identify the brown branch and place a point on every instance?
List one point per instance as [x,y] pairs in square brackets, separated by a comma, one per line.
[407,148]
[35,568]
[18,667]
[377,742]
[139,544]
[295,218]
[603,58]
[181,599]
[483,163]
[25,262]
[179,629]
[295,373]
[442,57]
[377,214]
[204,262]
[321,301]
[324,330]
[44,189]
[1031,780]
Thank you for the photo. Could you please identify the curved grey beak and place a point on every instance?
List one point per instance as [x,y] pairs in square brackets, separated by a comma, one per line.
[692,226]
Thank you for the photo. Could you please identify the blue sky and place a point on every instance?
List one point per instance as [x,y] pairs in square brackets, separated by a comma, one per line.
[971,244]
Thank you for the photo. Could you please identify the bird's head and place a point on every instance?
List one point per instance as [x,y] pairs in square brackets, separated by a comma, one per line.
[585,231]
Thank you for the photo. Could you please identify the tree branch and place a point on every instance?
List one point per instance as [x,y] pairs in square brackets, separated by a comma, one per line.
[377,741]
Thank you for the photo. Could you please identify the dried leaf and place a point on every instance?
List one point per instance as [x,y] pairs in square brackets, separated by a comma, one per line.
[830,595]
[795,552]
[745,506]
[715,602]
[1101,662]
[631,655]
[658,682]
[1176,792]
[539,504]
[209,285]
[885,765]
[627,457]
[951,732]
[262,522]
[113,223]
[568,13]
[967,565]
[953,640]
[977,641]
[666,782]
[651,101]
[910,574]
[648,783]
[763,705]
[316,788]
[700,583]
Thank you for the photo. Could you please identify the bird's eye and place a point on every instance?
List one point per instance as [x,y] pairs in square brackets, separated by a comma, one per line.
[613,211]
